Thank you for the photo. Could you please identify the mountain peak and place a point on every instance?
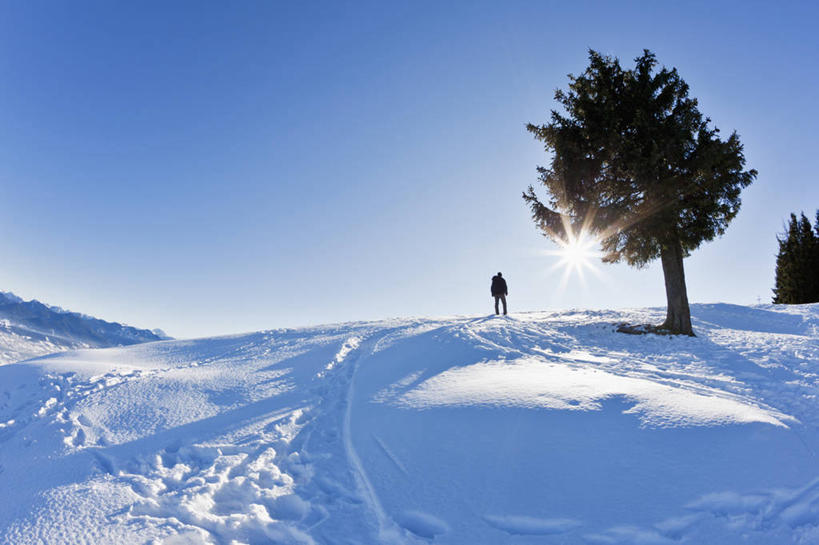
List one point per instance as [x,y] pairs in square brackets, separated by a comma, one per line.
[32,328]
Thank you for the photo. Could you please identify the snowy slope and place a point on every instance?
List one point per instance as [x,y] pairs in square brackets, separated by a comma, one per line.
[534,429]
[30,328]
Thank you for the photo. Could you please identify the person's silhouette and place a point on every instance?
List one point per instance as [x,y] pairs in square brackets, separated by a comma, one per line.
[499,292]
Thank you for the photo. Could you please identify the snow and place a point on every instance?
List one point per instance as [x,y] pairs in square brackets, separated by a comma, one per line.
[537,382]
[535,428]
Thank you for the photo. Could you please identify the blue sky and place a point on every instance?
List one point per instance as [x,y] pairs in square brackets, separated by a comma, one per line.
[211,168]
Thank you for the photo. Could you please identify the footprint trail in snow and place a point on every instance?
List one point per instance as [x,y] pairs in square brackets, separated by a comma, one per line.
[538,427]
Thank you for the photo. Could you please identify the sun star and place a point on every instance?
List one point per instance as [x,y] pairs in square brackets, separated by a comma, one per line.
[576,254]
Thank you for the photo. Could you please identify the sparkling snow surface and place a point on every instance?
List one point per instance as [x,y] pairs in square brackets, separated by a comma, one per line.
[533,429]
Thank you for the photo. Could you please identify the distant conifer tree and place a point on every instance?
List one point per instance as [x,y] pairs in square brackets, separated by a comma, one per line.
[797,263]
[636,164]
[815,262]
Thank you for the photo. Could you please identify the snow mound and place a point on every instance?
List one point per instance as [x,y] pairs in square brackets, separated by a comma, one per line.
[540,382]
[537,428]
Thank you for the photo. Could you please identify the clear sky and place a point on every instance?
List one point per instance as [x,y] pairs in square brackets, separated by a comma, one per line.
[213,167]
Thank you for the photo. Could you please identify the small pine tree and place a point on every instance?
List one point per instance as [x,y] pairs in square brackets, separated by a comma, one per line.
[797,263]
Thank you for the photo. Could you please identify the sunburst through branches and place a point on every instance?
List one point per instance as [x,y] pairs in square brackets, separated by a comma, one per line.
[576,253]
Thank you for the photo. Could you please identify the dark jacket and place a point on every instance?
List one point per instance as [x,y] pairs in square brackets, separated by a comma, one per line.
[499,286]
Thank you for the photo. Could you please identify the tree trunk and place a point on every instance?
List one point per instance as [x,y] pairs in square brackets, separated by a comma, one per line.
[678,316]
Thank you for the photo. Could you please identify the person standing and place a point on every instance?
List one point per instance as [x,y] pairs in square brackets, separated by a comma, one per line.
[499,292]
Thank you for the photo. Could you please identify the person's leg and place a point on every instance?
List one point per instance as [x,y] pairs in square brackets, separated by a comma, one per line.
[496,305]
[503,298]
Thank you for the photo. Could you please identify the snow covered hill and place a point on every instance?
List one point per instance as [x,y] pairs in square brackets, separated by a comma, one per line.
[534,429]
[30,328]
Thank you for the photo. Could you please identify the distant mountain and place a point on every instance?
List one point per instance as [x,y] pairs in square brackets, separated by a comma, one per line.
[31,328]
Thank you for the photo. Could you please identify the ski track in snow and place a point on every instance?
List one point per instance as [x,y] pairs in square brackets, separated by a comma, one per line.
[382,433]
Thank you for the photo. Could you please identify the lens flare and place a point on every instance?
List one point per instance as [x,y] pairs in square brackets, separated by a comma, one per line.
[577,252]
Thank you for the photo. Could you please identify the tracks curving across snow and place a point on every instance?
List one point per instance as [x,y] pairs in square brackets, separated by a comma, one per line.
[388,531]
[537,427]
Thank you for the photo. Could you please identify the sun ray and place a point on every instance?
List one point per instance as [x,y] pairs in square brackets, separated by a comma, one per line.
[576,253]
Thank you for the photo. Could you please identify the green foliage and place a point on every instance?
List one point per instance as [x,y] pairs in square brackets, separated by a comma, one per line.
[635,163]
[797,263]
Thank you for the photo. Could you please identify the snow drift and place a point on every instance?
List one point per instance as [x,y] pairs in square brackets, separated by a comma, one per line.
[538,428]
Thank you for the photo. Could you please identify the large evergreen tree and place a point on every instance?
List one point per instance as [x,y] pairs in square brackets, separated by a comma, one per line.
[797,263]
[638,166]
